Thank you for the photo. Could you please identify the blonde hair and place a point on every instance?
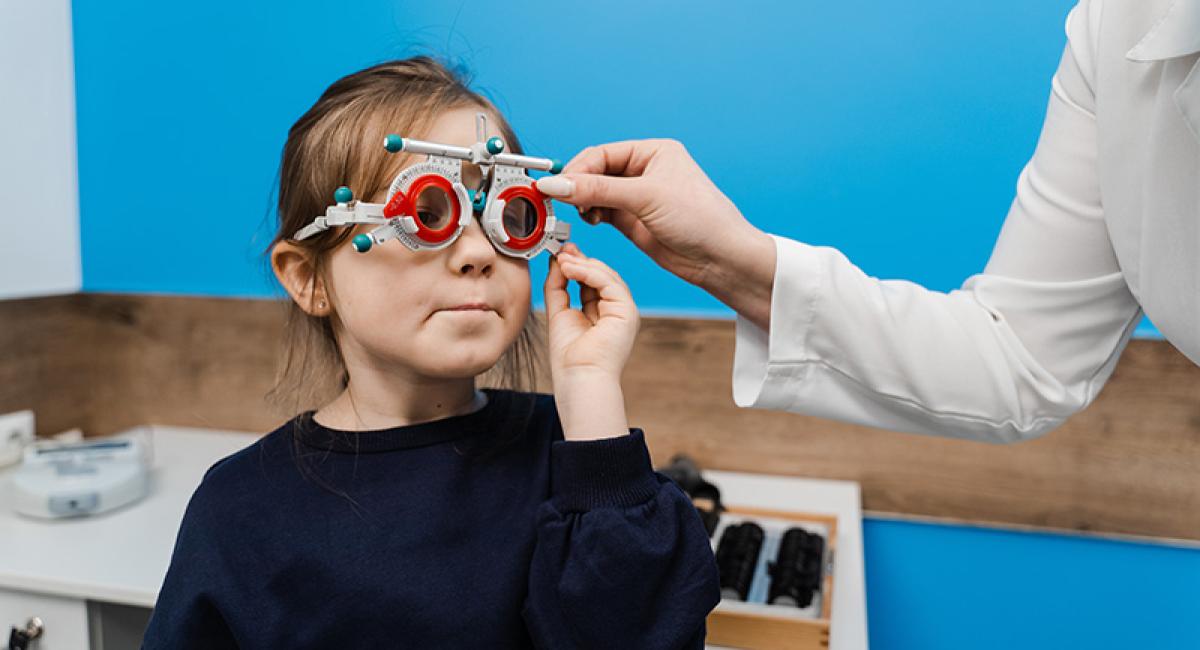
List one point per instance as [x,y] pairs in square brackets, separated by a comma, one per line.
[338,142]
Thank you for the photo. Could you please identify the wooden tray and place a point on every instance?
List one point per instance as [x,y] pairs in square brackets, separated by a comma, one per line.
[759,626]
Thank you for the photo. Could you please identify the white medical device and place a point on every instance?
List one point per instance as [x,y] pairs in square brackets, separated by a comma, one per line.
[57,479]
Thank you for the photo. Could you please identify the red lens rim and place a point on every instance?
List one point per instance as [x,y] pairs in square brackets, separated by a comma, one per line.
[400,204]
[539,205]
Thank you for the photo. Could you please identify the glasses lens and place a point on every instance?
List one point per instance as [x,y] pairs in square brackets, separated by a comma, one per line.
[433,208]
[520,218]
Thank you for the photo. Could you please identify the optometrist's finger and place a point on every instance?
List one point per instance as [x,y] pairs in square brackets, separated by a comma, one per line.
[593,179]
[593,216]
[595,190]
[625,158]
[636,232]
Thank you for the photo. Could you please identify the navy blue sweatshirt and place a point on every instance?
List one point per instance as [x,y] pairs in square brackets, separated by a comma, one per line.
[485,530]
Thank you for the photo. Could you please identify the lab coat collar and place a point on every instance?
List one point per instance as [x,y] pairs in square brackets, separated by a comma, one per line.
[1175,34]
[1187,100]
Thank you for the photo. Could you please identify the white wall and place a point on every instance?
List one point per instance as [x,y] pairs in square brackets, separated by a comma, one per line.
[39,193]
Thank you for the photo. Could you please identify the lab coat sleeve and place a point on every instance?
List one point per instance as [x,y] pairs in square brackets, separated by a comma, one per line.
[186,614]
[621,558]
[1009,355]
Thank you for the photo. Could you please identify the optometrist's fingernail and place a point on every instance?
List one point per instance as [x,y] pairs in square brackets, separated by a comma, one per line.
[555,186]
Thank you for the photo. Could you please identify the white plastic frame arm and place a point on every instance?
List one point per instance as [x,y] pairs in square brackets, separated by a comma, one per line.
[344,215]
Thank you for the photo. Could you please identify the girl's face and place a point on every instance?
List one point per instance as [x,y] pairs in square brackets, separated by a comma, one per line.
[443,314]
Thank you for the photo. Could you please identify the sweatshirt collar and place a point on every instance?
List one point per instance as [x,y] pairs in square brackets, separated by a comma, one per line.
[313,434]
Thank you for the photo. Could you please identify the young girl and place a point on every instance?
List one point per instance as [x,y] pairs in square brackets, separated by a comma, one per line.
[411,509]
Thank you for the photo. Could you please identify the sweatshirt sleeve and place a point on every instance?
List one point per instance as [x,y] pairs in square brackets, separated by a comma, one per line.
[186,615]
[621,559]
[1011,354]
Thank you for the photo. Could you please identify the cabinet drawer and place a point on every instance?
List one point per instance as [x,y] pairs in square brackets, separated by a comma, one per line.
[65,619]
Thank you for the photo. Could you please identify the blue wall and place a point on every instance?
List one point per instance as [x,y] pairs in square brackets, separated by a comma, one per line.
[933,587]
[894,131]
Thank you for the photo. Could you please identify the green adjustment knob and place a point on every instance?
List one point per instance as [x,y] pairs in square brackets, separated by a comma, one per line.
[343,195]
[555,166]
[362,243]
[393,143]
[495,145]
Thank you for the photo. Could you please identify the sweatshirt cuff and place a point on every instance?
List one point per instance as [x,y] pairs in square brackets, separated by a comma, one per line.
[590,474]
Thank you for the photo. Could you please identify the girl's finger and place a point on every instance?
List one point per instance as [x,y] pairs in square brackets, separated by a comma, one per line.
[594,274]
[571,252]
[607,270]
[589,300]
[557,298]
[599,273]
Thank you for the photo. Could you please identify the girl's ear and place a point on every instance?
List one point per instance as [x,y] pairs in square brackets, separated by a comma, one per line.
[295,270]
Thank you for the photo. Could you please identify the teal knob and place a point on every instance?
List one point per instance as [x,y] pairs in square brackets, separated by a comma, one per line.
[555,166]
[479,201]
[393,143]
[495,145]
[362,243]
[343,195]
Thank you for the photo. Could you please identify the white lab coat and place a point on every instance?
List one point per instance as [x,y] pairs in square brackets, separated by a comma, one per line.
[1106,222]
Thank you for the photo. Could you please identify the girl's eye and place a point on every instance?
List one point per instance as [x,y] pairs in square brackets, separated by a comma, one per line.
[433,208]
[520,218]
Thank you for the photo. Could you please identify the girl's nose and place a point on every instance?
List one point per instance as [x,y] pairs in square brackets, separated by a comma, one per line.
[473,253]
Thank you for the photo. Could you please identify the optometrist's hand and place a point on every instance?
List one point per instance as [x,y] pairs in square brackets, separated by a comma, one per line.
[589,345]
[659,198]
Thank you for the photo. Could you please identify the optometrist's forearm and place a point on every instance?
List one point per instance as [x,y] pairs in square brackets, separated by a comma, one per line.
[591,405]
[744,277]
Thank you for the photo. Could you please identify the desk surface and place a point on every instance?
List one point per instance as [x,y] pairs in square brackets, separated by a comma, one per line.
[122,556]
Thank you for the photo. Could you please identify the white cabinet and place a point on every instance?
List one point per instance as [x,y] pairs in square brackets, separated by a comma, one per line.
[99,576]
[65,619]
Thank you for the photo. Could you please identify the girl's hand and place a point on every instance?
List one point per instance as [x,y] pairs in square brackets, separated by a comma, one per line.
[590,345]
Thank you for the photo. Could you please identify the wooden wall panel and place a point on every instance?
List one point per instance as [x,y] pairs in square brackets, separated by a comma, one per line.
[1129,464]
[105,363]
